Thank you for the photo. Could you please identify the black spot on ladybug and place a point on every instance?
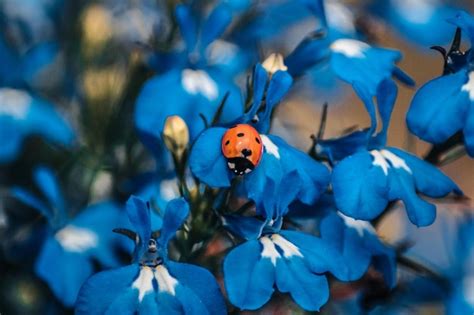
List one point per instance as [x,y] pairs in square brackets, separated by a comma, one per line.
[246,152]
[227,142]
[240,134]
[258,141]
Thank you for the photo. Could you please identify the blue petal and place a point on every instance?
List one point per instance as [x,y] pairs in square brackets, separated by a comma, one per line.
[12,138]
[386,97]
[337,149]
[31,116]
[368,70]
[309,290]
[215,25]
[279,85]
[466,22]
[176,213]
[246,227]
[48,184]
[439,108]
[101,290]
[248,277]
[259,78]
[202,283]
[288,167]
[45,121]
[187,25]
[429,180]
[307,54]
[420,29]
[64,271]
[360,188]
[348,242]
[319,255]
[207,161]
[139,215]
[359,246]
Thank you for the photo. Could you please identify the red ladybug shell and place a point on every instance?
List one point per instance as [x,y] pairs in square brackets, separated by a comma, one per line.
[242,147]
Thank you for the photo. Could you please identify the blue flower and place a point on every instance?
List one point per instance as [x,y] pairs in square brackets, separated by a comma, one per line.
[72,248]
[420,21]
[280,162]
[358,242]
[369,178]
[192,88]
[22,115]
[290,261]
[444,106]
[152,283]
[353,61]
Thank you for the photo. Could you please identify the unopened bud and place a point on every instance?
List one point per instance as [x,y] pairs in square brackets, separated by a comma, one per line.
[273,63]
[176,135]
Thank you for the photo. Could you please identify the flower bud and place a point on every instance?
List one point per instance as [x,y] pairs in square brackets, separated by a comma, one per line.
[176,135]
[273,63]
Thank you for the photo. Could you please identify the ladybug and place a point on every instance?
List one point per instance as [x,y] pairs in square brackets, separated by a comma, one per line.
[243,148]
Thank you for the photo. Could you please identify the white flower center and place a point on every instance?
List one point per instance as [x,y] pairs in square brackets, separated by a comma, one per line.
[469,86]
[76,239]
[270,251]
[144,281]
[359,225]
[199,82]
[14,103]
[270,147]
[385,159]
[350,47]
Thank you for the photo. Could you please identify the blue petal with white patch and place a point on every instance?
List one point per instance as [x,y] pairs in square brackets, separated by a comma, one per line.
[72,244]
[360,246]
[290,261]
[152,283]
[423,22]
[364,184]
[22,115]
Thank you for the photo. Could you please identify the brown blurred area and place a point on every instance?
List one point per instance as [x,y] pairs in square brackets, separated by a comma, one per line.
[422,65]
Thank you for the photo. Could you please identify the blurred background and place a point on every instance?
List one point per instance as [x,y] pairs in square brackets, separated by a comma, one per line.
[71,71]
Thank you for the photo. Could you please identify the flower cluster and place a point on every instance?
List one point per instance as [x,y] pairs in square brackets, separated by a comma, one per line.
[178,144]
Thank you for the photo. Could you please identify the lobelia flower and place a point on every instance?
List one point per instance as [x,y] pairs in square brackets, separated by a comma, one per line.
[365,67]
[444,106]
[419,21]
[76,244]
[192,87]
[22,115]
[369,178]
[279,161]
[356,240]
[152,283]
[291,261]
